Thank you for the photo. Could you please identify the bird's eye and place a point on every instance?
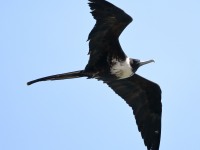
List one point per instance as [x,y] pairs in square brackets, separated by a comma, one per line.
[136,61]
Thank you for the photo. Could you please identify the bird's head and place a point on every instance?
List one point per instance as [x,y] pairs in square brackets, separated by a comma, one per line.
[136,63]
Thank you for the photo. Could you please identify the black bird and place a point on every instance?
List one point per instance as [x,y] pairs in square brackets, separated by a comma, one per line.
[109,63]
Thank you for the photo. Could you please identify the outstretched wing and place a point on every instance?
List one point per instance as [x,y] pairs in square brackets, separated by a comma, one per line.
[144,97]
[103,39]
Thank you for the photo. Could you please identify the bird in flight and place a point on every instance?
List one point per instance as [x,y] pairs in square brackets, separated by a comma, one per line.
[109,63]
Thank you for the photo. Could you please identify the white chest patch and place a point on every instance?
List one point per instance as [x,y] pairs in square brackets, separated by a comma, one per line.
[121,69]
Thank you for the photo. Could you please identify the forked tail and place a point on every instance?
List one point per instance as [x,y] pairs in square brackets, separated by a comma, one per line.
[69,75]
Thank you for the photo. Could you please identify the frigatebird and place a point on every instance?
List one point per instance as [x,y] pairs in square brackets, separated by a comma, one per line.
[110,64]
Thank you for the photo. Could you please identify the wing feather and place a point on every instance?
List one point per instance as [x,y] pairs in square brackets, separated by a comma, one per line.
[144,97]
[103,38]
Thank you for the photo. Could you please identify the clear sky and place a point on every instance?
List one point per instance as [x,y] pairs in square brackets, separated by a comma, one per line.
[45,37]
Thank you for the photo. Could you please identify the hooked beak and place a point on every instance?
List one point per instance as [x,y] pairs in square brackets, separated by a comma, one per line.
[145,62]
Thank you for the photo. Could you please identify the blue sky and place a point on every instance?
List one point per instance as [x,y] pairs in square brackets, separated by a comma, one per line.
[40,38]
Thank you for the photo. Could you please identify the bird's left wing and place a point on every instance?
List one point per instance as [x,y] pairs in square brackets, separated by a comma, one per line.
[103,39]
[144,97]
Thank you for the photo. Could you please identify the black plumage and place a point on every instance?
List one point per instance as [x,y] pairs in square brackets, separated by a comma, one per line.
[144,97]
[109,63]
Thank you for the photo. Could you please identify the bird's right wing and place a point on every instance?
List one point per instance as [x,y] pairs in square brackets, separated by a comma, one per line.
[103,39]
[144,97]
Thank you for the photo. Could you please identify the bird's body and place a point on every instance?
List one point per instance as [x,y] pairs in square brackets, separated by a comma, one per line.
[109,63]
[121,69]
